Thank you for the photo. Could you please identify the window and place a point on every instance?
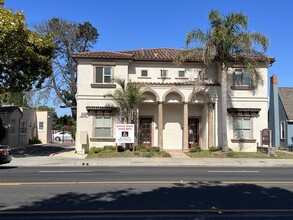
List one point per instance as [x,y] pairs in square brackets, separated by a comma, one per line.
[23,127]
[242,127]
[41,126]
[144,73]
[282,130]
[12,126]
[103,126]
[163,73]
[181,73]
[241,78]
[103,75]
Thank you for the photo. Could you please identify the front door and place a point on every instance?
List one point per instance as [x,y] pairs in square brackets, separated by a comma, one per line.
[145,132]
[193,132]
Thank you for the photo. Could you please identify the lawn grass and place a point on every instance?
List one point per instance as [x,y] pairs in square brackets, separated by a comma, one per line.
[220,154]
[108,152]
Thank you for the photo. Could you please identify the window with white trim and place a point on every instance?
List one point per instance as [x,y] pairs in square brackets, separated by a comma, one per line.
[23,127]
[282,130]
[103,74]
[144,73]
[241,77]
[41,126]
[242,128]
[103,126]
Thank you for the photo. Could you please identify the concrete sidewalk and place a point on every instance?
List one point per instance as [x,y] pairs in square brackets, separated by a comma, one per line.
[70,158]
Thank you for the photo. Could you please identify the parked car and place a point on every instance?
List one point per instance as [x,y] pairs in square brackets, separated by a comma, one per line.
[62,135]
[5,154]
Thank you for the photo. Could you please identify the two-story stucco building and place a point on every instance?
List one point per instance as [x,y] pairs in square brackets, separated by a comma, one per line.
[182,108]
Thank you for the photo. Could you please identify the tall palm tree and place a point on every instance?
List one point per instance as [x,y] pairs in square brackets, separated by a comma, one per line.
[127,97]
[226,40]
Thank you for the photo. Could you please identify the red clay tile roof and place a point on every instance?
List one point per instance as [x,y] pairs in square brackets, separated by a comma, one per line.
[157,54]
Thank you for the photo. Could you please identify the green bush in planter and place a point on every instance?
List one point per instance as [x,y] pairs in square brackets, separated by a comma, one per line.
[195,149]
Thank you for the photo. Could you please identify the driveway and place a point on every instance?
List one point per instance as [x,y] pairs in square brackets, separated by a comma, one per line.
[42,150]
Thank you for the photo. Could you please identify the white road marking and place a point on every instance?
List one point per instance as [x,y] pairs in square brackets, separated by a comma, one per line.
[64,171]
[233,171]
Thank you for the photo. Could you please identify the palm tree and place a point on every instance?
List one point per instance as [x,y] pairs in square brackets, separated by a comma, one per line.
[127,99]
[226,40]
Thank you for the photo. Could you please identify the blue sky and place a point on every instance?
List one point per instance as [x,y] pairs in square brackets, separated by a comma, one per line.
[133,24]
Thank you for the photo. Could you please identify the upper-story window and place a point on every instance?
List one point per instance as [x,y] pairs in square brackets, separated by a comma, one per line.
[144,73]
[103,74]
[241,78]
[181,73]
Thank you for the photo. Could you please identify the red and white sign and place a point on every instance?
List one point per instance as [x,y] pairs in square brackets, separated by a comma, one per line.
[124,133]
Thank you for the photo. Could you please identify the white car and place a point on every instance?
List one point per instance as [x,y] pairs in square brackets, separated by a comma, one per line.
[62,136]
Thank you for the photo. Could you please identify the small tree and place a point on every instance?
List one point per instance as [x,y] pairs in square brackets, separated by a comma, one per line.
[25,56]
[127,98]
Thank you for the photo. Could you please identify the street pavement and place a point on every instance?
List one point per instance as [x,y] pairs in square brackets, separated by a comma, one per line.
[64,155]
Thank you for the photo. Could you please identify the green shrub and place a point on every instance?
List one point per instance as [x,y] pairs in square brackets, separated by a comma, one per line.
[136,153]
[231,154]
[138,148]
[154,149]
[147,154]
[95,150]
[109,148]
[195,149]
[164,154]
[34,141]
[143,149]
[120,148]
[215,148]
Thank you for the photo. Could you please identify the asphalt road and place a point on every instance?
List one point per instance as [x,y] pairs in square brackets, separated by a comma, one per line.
[145,193]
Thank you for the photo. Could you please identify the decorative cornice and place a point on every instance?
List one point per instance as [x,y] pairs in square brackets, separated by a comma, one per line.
[241,112]
[101,110]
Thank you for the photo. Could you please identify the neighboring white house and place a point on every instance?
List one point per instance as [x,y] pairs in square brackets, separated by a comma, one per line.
[23,124]
[182,107]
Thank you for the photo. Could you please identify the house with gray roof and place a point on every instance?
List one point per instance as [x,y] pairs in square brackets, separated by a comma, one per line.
[281,114]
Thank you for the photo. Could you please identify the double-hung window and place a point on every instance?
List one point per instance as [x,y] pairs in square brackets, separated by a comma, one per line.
[103,74]
[241,77]
[103,126]
[41,126]
[242,128]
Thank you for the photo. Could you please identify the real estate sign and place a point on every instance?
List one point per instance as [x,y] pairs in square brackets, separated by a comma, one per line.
[124,133]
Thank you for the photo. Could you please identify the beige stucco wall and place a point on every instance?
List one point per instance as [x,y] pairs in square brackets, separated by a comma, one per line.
[44,135]
[173,98]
